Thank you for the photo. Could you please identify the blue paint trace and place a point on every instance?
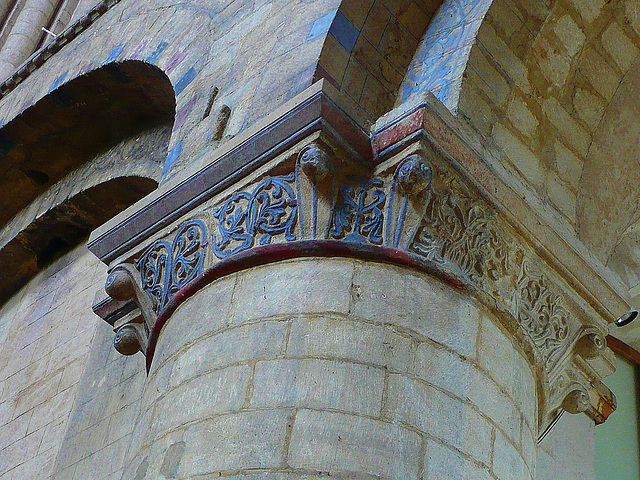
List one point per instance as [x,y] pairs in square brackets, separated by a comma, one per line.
[344,31]
[443,53]
[173,156]
[321,26]
[153,57]
[58,81]
[167,267]
[113,56]
[271,209]
[359,218]
[185,80]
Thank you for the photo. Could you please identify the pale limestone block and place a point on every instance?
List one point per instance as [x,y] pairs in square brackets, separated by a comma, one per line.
[589,10]
[122,422]
[290,288]
[56,407]
[247,440]
[348,340]
[66,474]
[248,342]
[53,435]
[507,462]
[571,131]
[333,442]
[37,393]
[554,63]
[527,163]
[619,46]
[569,166]
[442,463]
[318,384]
[600,74]
[486,78]
[221,391]
[504,56]
[433,412]
[463,379]
[508,367]
[589,107]
[569,34]
[522,118]
[204,312]
[632,14]
[474,106]
[38,467]
[14,430]
[561,196]
[18,451]
[157,384]
[395,296]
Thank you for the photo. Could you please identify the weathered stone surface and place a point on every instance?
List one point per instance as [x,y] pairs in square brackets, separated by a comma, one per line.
[335,443]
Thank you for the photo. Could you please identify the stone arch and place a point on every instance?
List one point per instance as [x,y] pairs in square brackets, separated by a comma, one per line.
[442,55]
[77,157]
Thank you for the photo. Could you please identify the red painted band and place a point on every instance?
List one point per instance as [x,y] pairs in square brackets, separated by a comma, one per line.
[284,251]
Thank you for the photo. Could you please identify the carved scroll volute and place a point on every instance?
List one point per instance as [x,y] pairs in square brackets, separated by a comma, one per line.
[577,387]
[407,200]
[133,328]
[315,182]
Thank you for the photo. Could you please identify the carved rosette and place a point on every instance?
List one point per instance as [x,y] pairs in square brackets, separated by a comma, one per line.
[414,203]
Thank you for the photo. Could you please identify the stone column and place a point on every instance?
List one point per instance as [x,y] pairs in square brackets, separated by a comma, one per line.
[332,312]
[84,6]
[24,35]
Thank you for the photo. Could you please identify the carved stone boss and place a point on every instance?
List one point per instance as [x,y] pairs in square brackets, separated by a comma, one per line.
[409,204]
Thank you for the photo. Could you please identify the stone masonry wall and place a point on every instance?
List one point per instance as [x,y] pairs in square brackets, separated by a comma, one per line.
[305,368]
[46,332]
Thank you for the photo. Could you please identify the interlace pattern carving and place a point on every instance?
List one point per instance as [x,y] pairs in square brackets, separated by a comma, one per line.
[358,217]
[271,209]
[541,314]
[454,232]
[167,267]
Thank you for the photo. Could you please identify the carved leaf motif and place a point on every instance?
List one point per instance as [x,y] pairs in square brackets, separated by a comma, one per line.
[541,314]
[271,209]
[358,217]
[167,267]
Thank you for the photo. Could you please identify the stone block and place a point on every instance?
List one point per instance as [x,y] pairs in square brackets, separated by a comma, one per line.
[443,463]
[318,384]
[221,391]
[205,312]
[508,367]
[263,340]
[296,287]
[241,441]
[395,296]
[343,339]
[337,443]
[431,411]
[527,163]
[507,462]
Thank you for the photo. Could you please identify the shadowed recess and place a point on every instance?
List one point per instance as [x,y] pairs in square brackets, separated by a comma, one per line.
[76,122]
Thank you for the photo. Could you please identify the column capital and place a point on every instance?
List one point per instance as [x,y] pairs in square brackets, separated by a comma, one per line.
[310,182]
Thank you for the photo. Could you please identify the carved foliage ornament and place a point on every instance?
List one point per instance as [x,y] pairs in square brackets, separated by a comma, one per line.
[441,221]
[166,267]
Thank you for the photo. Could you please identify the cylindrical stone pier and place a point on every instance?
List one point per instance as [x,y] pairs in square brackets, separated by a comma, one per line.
[24,35]
[316,367]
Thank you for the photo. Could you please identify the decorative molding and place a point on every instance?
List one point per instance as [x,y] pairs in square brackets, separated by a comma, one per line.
[270,210]
[414,205]
[167,267]
[37,59]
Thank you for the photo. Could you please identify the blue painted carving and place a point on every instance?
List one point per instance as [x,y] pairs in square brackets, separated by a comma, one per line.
[442,55]
[411,177]
[167,267]
[271,209]
[358,216]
